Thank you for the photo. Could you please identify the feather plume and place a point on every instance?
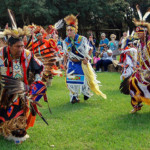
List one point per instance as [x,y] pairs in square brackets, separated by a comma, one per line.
[72,20]
[146,15]
[128,32]
[132,33]
[13,85]
[29,41]
[43,55]
[58,25]
[139,12]
[12,18]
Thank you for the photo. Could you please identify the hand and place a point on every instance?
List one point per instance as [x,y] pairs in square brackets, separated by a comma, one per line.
[85,61]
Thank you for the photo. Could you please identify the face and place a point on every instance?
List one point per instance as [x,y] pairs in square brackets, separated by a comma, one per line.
[70,31]
[16,49]
[124,34]
[90,37]
[103,37]
[112,38]
[96,54]
[109,54]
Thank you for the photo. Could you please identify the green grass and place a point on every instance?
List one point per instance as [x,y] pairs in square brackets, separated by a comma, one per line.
[96,124]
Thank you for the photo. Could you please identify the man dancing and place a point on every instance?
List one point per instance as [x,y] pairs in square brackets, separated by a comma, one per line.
[15,65]
[80,76]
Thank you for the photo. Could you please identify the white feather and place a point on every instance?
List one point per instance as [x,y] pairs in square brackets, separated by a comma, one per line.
[14,25]
[146,15]
[59,24]
[132,33]
[139,13]
[128,32]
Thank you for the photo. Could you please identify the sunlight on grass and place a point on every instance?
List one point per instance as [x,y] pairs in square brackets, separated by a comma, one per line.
[96,124]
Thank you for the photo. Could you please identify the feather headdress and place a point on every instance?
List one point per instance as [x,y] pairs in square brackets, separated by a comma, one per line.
[140,14]
[72,20]
[142,24]
[14,32]
[58,25]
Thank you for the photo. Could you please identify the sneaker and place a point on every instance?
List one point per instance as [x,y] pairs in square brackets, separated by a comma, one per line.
[86,97]
[75,100]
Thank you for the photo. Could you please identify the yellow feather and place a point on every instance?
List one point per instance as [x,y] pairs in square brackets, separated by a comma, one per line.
[91,79]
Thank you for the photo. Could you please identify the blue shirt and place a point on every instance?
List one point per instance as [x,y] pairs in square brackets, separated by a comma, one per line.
[105,41]
[113,46]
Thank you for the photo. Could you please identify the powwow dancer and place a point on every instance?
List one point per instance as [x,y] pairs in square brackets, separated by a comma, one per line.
[15,65]
[45,50]
[138,85]
[130,58]
[129,64]
[80,76]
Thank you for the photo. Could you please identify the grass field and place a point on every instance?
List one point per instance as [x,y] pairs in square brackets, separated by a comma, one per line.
[96,124]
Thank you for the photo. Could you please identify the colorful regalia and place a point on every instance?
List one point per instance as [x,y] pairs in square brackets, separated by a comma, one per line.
[19,93]
[138,85]
[46,48]
[129,63]
[80,78]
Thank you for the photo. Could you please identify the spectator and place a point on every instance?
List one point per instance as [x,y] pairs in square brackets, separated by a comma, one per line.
[92,44]
[122,41]
[96,58]
[105,60]
[103,42]
[113,45]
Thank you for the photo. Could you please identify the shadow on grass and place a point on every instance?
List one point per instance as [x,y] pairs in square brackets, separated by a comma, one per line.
[139,120]
[69,107]
[4,142]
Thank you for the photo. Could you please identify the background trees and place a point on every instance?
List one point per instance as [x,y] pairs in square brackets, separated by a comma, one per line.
[95,15]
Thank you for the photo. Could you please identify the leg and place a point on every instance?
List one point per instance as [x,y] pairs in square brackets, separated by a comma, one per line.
[99,64]
[86,91]
[136,105]
[106,63]
[74,92]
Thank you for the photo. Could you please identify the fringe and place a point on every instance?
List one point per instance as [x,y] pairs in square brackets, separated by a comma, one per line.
[91,79]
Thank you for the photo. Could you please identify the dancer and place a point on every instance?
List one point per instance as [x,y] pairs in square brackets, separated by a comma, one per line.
[138,84]
[80,76]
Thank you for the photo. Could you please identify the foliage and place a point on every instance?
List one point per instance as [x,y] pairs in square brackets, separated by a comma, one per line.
[93,14]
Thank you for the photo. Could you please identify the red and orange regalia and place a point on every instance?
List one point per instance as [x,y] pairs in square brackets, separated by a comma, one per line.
[16,92]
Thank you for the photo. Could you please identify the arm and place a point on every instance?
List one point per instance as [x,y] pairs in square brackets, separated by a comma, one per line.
[65,54]
[36,67]
[65,61]
[120,40]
